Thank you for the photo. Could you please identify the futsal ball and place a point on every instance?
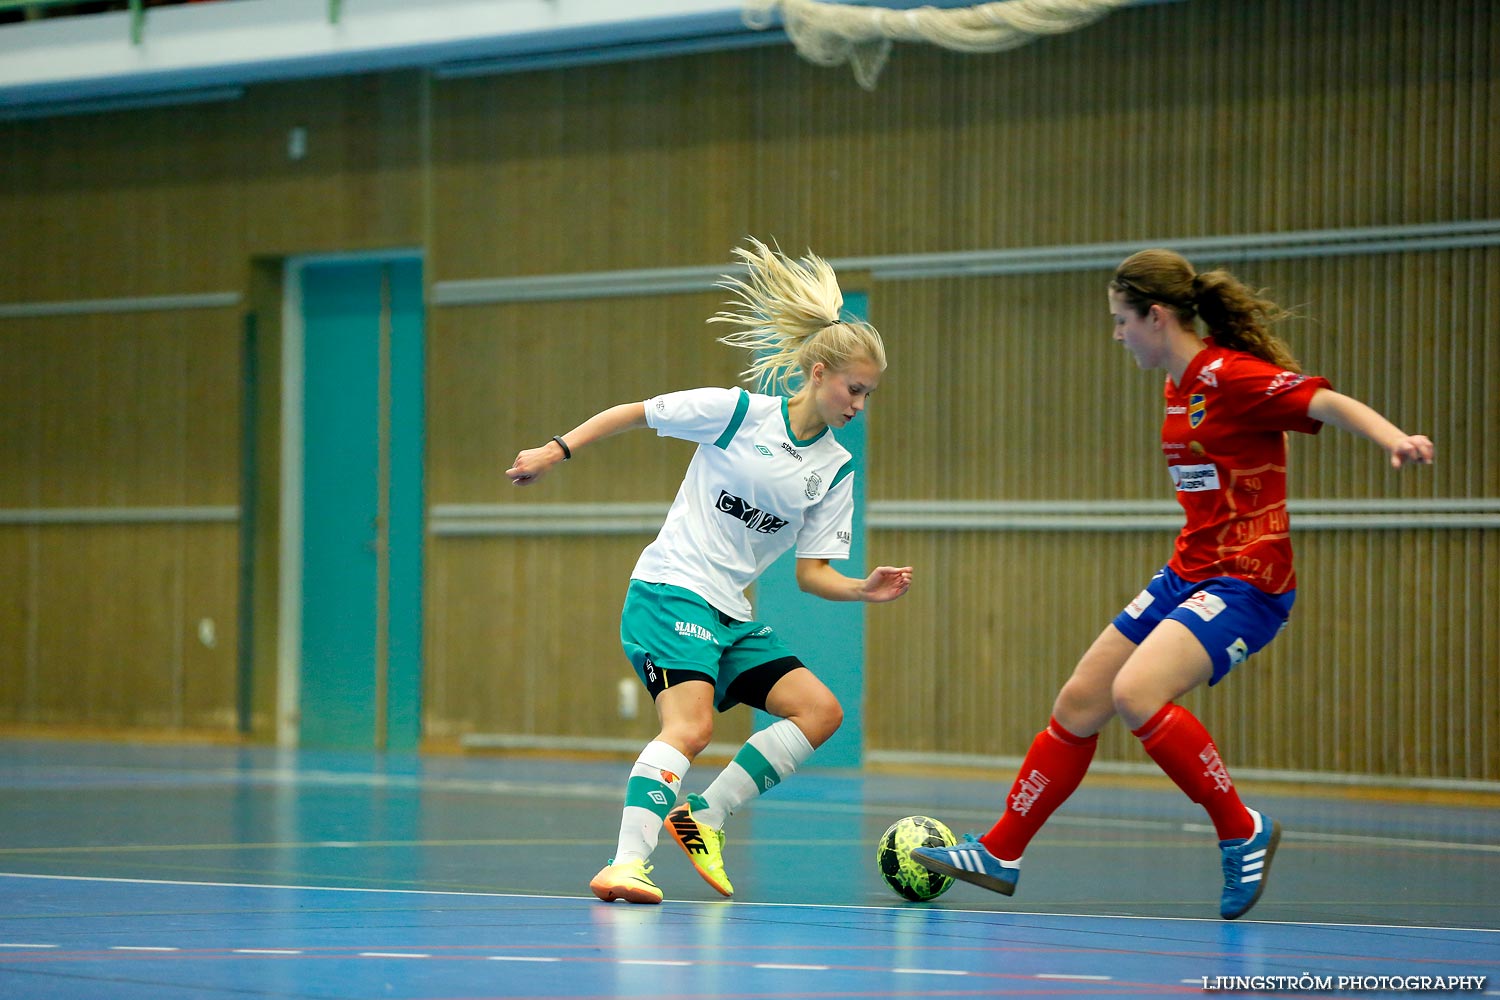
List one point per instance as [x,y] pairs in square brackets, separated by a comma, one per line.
[897,866]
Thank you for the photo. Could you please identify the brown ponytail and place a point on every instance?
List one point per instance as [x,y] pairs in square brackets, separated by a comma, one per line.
[1236,316]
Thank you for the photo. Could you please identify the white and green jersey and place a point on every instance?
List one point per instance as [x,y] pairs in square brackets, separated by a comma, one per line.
[752,491]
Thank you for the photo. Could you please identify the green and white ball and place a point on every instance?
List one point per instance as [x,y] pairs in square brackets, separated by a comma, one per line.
[893,855]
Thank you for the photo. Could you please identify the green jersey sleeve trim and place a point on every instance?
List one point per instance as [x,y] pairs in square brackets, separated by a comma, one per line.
[740,408]
[842,474]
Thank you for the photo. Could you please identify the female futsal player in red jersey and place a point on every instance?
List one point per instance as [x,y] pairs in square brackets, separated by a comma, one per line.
[1229,586]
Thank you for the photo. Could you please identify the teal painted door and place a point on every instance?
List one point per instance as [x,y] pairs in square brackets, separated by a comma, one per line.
[362,409]
[828,636]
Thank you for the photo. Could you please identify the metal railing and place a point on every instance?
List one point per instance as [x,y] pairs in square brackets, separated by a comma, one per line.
[137,10]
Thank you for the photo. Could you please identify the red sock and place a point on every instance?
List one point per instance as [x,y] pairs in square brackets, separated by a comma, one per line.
[1055,764]
[1180,745]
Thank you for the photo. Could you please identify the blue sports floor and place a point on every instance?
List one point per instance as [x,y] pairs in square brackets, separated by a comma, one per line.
[183,873]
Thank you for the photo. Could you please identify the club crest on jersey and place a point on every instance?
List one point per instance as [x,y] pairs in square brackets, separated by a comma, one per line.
[814,485]
[1197,409]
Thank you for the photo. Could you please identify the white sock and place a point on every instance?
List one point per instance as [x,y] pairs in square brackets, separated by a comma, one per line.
[767,758]
[650,794]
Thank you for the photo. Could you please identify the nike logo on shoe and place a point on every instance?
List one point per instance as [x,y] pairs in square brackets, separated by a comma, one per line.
[687,834]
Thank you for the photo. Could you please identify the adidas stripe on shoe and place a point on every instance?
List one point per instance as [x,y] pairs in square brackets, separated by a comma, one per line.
[1246,865]
[970,861]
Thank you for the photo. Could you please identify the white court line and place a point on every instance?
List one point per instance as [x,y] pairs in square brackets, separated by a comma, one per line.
[1061,975]
[790,968]
[11,944]
[1009,915]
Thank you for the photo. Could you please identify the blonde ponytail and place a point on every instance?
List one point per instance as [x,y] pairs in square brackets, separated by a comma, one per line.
[789,317]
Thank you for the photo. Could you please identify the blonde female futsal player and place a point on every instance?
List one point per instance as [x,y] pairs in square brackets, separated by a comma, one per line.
[767,476]
[1229,586]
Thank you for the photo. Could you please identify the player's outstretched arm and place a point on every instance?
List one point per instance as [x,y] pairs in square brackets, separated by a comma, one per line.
[1351,415]
[885,583]
[531,464]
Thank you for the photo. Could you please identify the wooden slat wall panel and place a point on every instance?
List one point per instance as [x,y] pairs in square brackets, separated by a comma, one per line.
[524,640]
[1009,388]
[524,632]
[1289,116]
[132,203]
[1367,684]
[361,185]
[175,200]
[508,377]
[1012,387]
[125,410]
[133,409]
[106,624]
[639,165]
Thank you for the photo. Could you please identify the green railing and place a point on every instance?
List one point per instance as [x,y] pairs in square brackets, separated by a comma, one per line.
[137,12]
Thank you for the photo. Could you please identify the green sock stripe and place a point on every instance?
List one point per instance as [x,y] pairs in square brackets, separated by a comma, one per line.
[648,794]
[760,770]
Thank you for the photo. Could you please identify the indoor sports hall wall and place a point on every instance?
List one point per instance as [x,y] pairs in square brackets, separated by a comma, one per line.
[1187,121]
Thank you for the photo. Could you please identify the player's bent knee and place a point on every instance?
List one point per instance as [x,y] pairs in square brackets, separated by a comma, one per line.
[821,720]
[690,739]
[1136,705]
[1082,707]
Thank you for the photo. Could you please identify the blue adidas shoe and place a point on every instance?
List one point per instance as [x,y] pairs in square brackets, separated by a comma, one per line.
[970,861]
[1246,864]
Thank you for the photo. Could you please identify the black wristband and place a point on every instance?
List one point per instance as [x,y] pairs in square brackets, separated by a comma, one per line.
[567,452]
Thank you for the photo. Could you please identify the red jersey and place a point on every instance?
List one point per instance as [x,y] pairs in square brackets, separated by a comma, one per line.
[1225,440]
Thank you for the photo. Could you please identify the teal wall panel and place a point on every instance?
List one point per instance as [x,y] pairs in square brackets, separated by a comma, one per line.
[341,372]
[341,648]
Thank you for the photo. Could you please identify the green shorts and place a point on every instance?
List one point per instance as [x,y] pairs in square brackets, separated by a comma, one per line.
[672,635]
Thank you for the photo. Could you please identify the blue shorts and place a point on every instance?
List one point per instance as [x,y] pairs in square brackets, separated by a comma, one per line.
[1231,618]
